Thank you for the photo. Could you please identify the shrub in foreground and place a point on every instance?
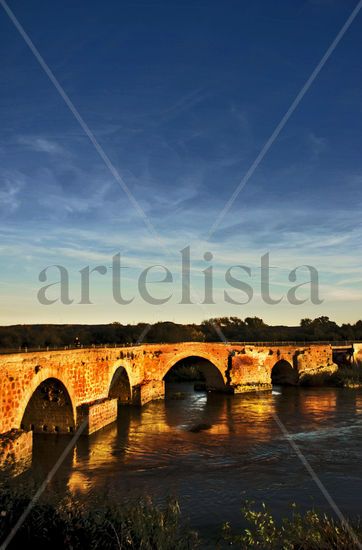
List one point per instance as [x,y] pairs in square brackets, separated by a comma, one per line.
[308,531]
[74,525]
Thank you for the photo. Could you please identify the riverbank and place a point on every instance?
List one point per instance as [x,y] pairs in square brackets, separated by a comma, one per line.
[347,376]
[99,525]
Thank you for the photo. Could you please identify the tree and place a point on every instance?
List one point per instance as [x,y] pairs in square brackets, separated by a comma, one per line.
[255,322]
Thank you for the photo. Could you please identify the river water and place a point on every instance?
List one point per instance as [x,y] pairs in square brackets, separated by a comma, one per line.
[213,451]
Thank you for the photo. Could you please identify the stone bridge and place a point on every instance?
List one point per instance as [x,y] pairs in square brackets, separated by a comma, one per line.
[58,391]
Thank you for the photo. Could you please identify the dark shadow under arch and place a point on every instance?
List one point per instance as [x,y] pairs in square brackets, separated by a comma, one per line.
[283,374]
[49,409]
[197,369]
[120,387]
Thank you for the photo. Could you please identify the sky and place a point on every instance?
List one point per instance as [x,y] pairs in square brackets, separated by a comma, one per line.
[181,96]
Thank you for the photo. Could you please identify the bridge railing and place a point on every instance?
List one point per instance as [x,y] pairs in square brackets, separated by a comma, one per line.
[29,349]
[341,343]
[335,344]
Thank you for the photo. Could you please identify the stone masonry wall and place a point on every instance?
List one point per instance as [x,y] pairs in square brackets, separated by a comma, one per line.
[16,450]
[98,414]
[357,353]
[148,390]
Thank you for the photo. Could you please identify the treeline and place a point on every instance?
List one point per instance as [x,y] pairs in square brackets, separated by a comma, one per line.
[251,329]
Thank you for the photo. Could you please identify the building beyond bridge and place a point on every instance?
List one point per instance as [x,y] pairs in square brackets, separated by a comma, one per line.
[60,391]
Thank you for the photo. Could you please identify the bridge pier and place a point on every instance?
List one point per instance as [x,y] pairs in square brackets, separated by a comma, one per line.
[251,387]
[16,448]
[97,415]
[147,391]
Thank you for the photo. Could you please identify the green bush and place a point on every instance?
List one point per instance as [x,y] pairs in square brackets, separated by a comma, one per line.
[309,531]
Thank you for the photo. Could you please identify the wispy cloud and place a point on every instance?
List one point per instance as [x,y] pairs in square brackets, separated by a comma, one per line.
[41,145]
[181,122]
[11,185]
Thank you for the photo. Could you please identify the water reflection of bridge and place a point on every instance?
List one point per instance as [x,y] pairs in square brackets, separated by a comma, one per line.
[156,440]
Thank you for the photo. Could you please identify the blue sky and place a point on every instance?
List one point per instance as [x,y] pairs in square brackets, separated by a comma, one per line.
[181,96]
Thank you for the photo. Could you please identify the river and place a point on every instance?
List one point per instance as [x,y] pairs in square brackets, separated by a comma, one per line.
[213,451]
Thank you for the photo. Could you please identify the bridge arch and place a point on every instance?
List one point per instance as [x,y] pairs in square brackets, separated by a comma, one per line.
[208,366]
[120,386]
[49,409]
[41,376]
[284,374]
